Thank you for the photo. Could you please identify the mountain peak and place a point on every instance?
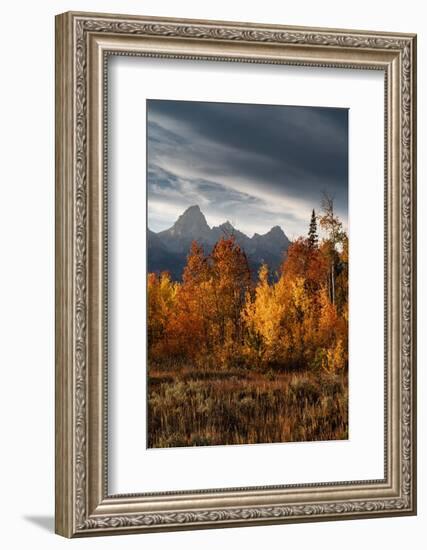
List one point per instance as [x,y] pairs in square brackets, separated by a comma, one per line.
[192,213]
[227,226]
[191,224]
[276,230]
[194,209]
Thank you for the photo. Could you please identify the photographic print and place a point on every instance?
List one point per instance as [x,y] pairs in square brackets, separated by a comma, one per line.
[247,260]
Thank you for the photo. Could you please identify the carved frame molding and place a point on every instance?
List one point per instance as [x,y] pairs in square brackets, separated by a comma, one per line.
[83,42]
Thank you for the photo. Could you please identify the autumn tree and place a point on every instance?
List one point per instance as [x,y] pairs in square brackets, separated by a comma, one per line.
[188,331]
[231,279]
[262,316]
[281,320]
[161,296]
[306,262]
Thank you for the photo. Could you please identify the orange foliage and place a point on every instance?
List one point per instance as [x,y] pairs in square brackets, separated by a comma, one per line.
[218,317]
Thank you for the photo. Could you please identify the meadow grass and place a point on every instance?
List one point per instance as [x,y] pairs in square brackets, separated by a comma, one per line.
[192,407]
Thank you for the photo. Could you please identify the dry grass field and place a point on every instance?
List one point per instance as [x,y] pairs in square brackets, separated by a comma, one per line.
[188,407]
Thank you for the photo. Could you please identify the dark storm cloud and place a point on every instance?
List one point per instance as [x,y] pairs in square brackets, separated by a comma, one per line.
[261,164]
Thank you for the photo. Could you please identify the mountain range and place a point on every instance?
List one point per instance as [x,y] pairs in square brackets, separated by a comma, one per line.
[168,249]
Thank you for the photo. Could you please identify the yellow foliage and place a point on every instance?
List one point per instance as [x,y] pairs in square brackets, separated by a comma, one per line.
[334,358]
[161,295]
[218,317]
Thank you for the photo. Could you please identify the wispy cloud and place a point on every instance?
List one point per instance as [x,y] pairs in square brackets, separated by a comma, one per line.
[257,166]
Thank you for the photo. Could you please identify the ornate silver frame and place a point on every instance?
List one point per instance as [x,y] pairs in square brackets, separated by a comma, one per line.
[83,42]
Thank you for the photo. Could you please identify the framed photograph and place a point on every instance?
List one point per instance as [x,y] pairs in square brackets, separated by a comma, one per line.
[235,274]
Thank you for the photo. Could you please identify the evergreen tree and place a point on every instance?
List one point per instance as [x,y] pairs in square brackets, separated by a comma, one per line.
[313,238]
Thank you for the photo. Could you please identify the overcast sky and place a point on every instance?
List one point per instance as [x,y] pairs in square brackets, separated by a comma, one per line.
[255,165]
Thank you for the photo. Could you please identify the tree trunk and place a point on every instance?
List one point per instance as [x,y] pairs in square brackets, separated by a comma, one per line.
[333,283]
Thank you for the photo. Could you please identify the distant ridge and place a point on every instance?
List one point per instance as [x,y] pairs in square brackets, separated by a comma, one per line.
[168,249]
